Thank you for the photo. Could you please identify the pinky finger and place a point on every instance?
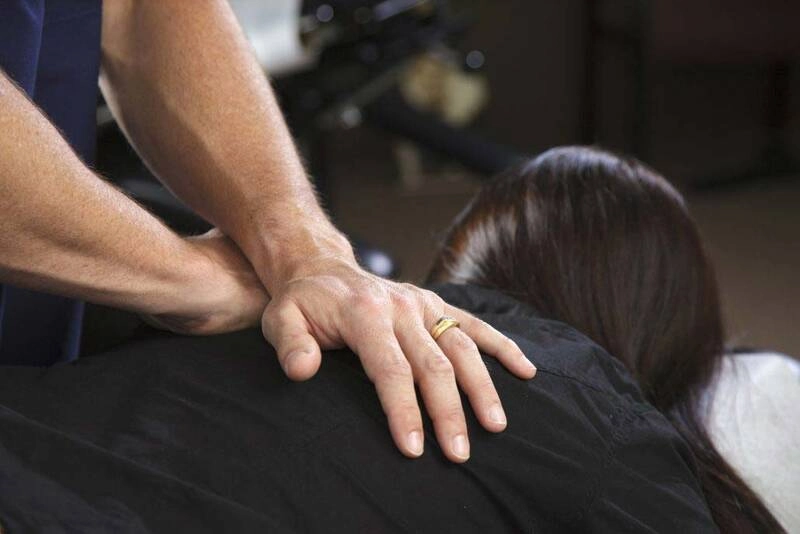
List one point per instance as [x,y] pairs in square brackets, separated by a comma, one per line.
[494,343]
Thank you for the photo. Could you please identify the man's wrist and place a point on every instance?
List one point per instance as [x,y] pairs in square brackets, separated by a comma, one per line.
[283,250]
[184,285]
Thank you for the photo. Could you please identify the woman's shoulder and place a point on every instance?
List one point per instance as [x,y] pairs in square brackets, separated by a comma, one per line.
[611,457]
[751,410]
[556,348]
[217,419]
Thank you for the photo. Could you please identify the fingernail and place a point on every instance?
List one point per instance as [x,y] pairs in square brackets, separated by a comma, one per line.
[461,446]
[287,363]
[496,415]
[415,442]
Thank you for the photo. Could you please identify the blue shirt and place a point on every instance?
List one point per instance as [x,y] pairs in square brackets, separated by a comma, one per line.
[51,49]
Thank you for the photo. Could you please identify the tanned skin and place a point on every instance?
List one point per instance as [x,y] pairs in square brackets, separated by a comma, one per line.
[184,85]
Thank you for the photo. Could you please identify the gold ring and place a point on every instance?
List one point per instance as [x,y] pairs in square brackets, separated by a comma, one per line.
[443,325]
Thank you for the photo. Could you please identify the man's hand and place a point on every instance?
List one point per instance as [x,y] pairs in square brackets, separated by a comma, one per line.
[186,89]
[334,303]
[228,295]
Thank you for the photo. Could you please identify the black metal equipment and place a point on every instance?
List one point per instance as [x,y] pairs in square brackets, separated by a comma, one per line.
[367,44]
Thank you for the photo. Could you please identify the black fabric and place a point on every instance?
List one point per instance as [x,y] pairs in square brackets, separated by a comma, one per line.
[207,435]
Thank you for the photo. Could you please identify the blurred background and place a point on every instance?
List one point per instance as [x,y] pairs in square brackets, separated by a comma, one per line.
[403,107]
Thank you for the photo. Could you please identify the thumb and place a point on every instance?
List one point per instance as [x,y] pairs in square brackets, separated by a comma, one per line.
[286,329]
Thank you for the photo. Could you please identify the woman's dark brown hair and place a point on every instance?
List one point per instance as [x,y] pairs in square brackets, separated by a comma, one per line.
[606,245]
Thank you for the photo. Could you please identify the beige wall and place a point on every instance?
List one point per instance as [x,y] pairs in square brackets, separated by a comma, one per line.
[705,122]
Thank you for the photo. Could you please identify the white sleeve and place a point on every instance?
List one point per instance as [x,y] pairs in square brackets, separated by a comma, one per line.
[753,421]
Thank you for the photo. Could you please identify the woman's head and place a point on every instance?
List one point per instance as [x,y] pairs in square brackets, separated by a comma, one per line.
[606,245]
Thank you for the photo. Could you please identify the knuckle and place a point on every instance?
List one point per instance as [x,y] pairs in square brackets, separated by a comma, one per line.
[463,343]
[432,298]
[275,311]
[438,365]
[509,345]
[485,385]
[367,301]
[395,367]
[406,302]
[433,301]
[267,319]
[494,331]
[453,415]
[410,288]
[418,292]
[405,411]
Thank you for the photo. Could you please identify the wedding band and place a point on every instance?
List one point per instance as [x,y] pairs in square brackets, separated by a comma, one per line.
[443,325]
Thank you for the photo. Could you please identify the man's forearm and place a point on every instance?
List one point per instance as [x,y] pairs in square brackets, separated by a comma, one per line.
[64,230]
[183,82]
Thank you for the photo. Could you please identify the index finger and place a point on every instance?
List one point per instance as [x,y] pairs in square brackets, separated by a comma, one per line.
[494,343]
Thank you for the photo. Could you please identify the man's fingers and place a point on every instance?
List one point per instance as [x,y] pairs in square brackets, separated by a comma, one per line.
[388,368]
[436,378]
[474,379]
[493,343]
[286,328]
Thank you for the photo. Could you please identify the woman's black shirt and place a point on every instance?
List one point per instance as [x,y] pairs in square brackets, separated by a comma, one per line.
[177,434]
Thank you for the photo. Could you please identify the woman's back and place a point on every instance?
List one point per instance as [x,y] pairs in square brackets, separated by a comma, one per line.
[207,434]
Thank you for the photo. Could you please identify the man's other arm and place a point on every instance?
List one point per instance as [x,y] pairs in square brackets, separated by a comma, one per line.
[64,230]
